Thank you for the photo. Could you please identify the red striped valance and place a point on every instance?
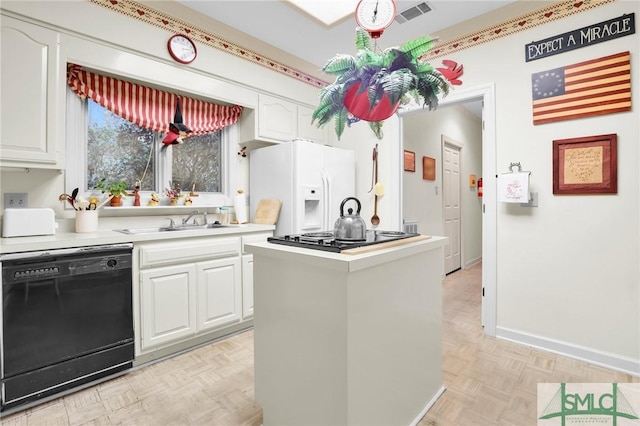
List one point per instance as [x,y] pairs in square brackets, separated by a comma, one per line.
[149,108]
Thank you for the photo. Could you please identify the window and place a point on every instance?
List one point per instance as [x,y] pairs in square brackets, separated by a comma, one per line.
[102,144]
[120,150]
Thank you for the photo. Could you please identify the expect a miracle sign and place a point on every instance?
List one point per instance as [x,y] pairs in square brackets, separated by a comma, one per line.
[608,30]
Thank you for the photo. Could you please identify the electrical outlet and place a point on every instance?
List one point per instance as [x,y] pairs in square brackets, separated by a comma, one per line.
[16,200]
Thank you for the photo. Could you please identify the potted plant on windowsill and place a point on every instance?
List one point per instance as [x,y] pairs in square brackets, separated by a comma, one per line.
[173,193]
[372,84]
[117,189]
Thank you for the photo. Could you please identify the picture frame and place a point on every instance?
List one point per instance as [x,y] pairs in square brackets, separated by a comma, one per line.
[472,181]
[428,168]
[409,161]
[586,165]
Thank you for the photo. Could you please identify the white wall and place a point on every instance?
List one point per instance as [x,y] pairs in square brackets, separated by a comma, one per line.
[361,140]
[422,199]
[567,271]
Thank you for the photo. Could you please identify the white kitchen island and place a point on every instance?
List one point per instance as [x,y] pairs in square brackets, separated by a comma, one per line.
[347,339]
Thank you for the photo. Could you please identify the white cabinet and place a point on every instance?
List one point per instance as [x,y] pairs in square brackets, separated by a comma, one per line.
[32,102]
[188,287]
[247,272]
[309,131]
[168,304]
[277,120]
[219,293]
[247,286]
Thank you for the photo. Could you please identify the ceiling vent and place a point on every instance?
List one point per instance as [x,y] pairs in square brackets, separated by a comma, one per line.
[413,12]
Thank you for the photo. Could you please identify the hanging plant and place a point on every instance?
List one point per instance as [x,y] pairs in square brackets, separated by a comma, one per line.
[371,85]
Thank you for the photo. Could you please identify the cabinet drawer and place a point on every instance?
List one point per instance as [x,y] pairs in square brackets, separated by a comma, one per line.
[155,254]
[255,238]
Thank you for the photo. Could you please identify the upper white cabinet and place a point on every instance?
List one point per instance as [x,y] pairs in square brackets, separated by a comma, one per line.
[32,112]
[309,131]
[277,120]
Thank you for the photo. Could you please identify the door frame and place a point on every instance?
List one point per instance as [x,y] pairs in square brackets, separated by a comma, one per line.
[485,93]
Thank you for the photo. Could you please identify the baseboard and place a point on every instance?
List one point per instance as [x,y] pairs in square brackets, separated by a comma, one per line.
[428,406]
[592,356]
[468,264]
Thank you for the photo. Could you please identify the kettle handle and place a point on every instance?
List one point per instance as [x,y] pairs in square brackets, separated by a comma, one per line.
[347,199]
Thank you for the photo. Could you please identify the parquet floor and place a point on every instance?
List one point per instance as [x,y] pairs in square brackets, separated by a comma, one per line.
[488,381]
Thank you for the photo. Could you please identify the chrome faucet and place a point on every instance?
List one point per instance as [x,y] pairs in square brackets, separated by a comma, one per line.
[186,219]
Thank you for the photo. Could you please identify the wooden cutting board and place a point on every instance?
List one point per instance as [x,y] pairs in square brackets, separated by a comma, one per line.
[267,212]
[388,244]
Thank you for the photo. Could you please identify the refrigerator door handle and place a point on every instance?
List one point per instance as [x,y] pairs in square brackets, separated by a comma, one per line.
[325,200]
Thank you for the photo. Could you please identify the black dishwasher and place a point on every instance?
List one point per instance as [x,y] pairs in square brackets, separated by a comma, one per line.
[66,319]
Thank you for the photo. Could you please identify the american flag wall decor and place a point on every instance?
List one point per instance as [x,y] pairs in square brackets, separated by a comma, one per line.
[595,87]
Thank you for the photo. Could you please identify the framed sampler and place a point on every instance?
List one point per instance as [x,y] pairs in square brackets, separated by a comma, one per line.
[409,161]
[428,168]
[586,165]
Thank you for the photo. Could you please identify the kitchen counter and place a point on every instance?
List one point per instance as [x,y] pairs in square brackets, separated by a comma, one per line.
[347,339]
[65,237]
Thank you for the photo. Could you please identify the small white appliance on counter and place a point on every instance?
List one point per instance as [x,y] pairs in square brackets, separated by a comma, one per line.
[28,222]
[310,179]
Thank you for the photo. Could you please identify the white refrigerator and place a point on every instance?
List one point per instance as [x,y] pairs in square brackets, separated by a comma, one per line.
[310,179]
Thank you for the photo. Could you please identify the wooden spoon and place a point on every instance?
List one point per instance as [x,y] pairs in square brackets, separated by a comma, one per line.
[375,219]
[105,201]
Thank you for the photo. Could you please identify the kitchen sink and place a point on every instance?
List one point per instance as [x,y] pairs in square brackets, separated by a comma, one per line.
[183,227]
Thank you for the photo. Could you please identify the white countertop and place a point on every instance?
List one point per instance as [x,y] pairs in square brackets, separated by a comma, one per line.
[107,235]
[343,262]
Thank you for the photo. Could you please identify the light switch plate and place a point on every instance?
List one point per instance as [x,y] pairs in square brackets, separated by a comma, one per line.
[16,200]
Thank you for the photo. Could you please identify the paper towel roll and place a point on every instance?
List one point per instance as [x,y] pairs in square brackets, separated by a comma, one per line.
[240,206]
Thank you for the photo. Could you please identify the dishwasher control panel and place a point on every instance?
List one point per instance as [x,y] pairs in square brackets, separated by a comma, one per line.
[57,264]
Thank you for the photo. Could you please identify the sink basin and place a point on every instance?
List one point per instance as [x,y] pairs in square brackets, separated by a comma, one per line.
[153,230]
[146,230]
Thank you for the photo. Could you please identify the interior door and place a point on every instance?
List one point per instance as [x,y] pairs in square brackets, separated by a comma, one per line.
[451,206]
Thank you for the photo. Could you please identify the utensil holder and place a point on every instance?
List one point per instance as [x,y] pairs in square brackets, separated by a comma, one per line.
[86,221]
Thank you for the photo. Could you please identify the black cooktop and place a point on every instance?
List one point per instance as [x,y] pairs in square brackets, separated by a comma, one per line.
[325,240]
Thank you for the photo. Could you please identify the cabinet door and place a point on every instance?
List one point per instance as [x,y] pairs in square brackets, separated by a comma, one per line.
[309,131]
[277,118]
[30,113]
[247,286]
[219,293]
[168,302]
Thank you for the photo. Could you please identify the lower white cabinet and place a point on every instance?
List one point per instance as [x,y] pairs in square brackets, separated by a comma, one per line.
[168,304]
[188,291]
[200,292]
[247,272]
[247,286]
[219,293]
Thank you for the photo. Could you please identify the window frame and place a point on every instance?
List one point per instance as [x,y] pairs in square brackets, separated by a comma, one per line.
[76,158]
